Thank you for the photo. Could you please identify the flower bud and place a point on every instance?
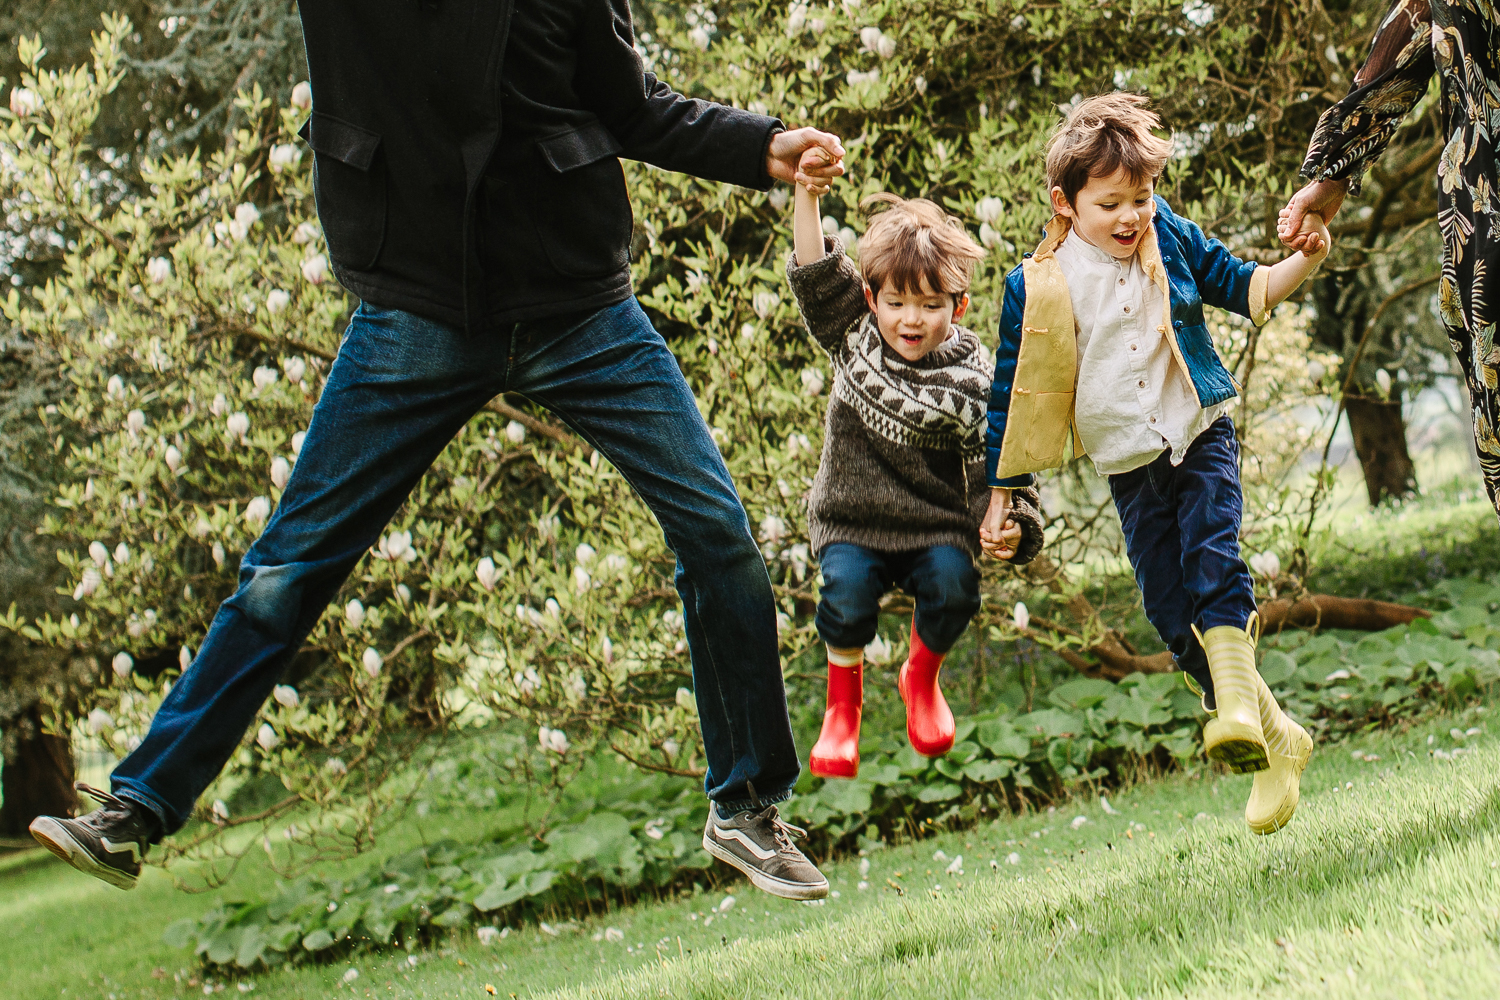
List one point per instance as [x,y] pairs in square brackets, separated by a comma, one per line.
[238,425]
[135,420]
[24,101]
[99,553]
[99,720]
[122,664]
[158,270]
[1021,616]
[256,512]
[263,376]
[486,573]
[515,431]
[354,614]
[302,96]
[266,737]
[294,368]
[281,471]
[373,661]
[277,301]
[315,269]
[173,458]
[184,658]
[297,440]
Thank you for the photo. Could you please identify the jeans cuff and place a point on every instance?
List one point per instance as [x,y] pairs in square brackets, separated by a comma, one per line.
[144,803]
[730,806]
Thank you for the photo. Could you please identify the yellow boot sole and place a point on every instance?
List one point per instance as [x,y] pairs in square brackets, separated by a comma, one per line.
[1237,746]
[1278,789]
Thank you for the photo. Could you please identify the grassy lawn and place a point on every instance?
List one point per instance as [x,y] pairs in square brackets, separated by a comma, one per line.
[1384,885]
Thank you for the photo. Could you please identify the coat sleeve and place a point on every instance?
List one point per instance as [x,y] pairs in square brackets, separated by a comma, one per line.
[829,293]
[1353,133]
[1005,375]
[1223,279]
[657,125]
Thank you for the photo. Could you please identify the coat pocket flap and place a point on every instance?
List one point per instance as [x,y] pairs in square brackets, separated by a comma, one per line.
[335,137]
[578,147]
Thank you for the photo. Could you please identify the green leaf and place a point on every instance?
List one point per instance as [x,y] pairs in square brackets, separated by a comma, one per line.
[1277,668]
[1001,739]
[499,894]
[1085,692]
[940,792]
[317,940]
[180,933]
[985,771]
[1051,723]
[950,768]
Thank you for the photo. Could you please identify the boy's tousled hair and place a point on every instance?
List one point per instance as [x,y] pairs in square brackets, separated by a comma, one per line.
[914,242]
[1101,135]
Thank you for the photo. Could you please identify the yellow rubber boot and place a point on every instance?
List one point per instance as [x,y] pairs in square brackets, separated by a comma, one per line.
[1233,736]
[1273,799]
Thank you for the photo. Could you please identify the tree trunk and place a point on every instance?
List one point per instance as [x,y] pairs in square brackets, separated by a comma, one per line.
[1380,442]
[38,776]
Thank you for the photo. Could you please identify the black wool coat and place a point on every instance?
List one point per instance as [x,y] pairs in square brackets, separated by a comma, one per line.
[466,151]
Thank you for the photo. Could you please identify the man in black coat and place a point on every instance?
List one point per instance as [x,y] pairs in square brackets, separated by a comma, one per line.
[468,182]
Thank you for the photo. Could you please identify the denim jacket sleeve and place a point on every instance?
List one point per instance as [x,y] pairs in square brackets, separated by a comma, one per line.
[1006,354]
[1223,279]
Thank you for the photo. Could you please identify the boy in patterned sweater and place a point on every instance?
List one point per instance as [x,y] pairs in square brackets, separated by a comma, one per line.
[900,489]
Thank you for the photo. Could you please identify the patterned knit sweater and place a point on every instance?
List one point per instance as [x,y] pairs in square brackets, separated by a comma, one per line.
[903,444]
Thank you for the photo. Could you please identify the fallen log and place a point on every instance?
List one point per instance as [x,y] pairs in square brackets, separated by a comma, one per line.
[1326,611]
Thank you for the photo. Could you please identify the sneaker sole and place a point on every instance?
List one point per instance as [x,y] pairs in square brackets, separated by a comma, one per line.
[55,837]
[766,883]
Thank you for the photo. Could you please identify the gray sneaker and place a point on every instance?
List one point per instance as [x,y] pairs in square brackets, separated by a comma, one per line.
[759,844]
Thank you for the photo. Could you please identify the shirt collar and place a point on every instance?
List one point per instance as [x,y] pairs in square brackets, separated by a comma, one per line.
[1081,249]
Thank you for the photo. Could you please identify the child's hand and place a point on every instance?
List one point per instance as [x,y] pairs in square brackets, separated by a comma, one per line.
[1312,237]
[815,165]
[999,536]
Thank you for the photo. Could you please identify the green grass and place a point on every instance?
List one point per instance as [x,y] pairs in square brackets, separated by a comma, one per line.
[1383,888]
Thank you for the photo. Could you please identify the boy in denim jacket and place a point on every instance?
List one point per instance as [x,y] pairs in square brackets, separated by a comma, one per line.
[1102,340]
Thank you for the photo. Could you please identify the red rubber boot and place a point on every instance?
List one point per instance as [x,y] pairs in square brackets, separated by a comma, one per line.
[836,754]
[929,722]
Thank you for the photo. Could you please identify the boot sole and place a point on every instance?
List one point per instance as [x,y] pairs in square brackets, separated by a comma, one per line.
[766,883]
[55,837]
[931,751]
[1237,747]
[832,768]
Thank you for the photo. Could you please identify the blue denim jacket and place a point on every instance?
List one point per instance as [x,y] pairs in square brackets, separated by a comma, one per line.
[1191,268]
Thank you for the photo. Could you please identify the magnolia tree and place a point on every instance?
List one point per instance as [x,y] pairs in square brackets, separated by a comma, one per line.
[523,584]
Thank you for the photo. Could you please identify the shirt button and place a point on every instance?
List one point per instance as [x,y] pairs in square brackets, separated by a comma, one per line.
[1153,420]
[1142,385]
[1135,347]
[1122,281]
[1127,310]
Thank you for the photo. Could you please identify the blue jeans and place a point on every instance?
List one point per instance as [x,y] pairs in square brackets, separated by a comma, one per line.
[1182,533]
[942,580]
[401,388]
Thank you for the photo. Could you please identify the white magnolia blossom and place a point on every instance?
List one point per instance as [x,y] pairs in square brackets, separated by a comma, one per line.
[302,95]
[263,376]
[747,332]
[671,747]
[173,458]
[99,552]
[554,610]
[297,440]
[305,232]
[372,661]
[87,583]
[1021,616]
[812,381]
[818,25]
[201,527]
[796,19]
[184,657]
[336,765]
[135,422]
[585,553]
[283,155]
[989,209]
[607,650]
[778,198]
[528,682]
[1266,564]
[277,300]
[158,270]
[219,406]
[869,38]
[403,593]
[220,811]
[315,269]
[799,556]
[486,573]
[772,529]
[24,101]
[396,545]
[1383,381]
[122,553]
[990,236]
[294,369]
[99,720]
[764,303]
[581,580]
[238,425]
[246,216]
[855,78]
[554,740]
[256,512]
[879,651]
[699,36]
[886,47]
[218,554]
[115,387]
[515,432]
[920,83]
[266,737]
[547,527]
[354,613]
[1316,370]
[122,664]
[281,471]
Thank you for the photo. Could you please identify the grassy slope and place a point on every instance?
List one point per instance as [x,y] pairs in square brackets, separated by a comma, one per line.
[1384,888]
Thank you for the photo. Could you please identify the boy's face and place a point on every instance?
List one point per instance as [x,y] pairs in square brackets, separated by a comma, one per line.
[915,322]
[1110,212]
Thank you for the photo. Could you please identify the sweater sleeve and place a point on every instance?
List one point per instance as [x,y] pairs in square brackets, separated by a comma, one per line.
[829,293]
[1026,511]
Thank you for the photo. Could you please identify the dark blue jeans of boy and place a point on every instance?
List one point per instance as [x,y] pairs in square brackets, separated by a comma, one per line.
[942,580]
[1182,533]
[401,388]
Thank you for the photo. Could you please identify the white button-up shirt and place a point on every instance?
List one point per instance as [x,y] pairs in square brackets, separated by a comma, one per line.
[1134,400]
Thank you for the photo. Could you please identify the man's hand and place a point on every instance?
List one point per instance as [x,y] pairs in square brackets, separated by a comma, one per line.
[1321,198]
[998,534]
[784,158]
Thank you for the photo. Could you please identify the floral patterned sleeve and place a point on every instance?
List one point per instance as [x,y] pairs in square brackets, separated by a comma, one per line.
[1354,132]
